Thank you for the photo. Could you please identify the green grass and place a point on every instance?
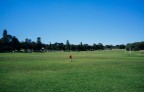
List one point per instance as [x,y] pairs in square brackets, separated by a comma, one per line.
[99,71]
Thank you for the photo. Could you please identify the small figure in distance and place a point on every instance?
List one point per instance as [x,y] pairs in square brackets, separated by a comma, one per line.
[70,57]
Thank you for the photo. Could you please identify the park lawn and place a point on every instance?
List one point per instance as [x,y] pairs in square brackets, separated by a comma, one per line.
[97,71]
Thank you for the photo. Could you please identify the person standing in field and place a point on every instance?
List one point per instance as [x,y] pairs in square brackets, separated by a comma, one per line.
[70,57]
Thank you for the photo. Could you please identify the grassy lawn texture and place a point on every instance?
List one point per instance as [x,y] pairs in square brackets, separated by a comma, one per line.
[98,71]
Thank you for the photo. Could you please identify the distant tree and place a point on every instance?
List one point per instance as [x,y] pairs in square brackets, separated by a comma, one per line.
[1,46]
[61,46]
[81,46]
[38,40]
[73,47]
[141,45]
[100,46]
[110,47]
[10,43]
[6,38]
[6,42]
[39,44]
[85,47]
[122,46]
[33,46]
[15,43]
[67,46]
[135,46]
[95,47]
[5,33]
[116,46]
[56,46]
[51,47]
[26,46]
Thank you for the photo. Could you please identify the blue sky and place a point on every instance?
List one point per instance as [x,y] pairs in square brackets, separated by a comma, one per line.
[88,21]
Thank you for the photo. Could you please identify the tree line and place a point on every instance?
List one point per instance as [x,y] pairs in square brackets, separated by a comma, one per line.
[9,43]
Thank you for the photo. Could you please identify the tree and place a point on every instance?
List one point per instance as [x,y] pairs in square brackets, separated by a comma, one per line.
[81,46]
[122,46]
[49,47]
[95,47]
[100,46]
[135,46]
[61,46]
[5,33]
[1,46]
[67,45]
[39,44]
[6,38]
[73,47]
[6,42]
[38,40]
[15,43]
[109,47]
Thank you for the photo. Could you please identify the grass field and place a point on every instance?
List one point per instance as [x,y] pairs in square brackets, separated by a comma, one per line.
[99,71]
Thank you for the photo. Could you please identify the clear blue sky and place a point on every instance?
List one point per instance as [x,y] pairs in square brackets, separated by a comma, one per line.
[88,21]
